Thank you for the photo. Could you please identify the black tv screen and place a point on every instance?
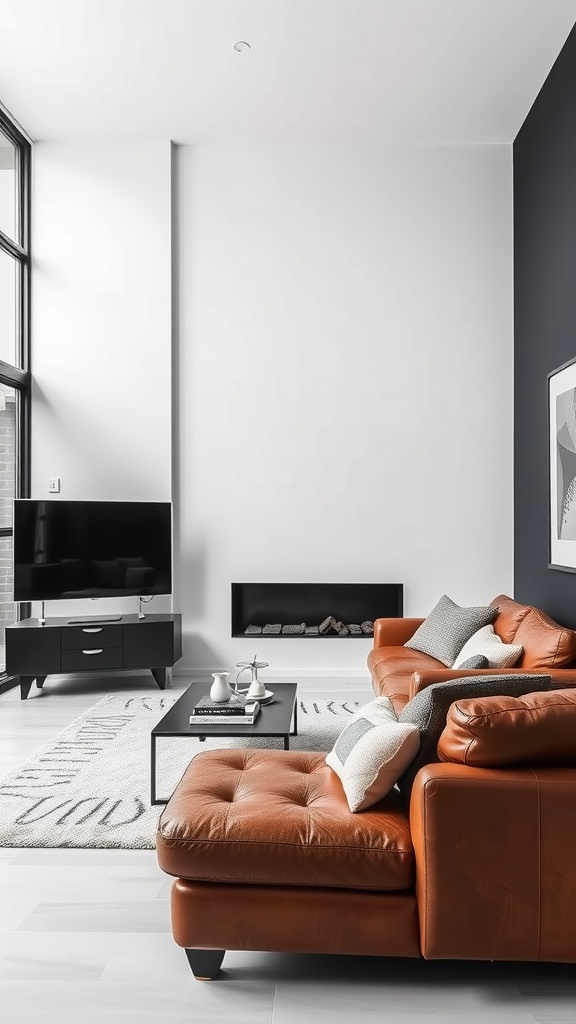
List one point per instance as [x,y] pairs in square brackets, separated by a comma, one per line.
[73,549]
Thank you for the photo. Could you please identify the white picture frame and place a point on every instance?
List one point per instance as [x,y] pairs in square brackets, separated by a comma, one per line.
[562,467]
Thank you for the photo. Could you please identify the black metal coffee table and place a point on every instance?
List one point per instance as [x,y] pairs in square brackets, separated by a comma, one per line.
[275,719]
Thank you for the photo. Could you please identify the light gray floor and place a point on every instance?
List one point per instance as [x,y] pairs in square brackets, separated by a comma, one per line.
[84,934]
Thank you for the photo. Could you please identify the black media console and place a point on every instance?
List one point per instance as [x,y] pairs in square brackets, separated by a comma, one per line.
[34,651]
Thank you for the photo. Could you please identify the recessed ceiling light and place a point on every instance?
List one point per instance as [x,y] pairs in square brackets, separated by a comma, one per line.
[241,46]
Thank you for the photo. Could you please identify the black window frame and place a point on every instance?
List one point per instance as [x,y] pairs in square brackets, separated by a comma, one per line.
[19,377]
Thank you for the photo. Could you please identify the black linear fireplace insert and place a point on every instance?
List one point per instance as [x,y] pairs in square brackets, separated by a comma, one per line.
[320,610]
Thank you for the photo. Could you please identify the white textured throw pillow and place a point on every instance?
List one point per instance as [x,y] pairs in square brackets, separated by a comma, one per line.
[488,643]
[372,752]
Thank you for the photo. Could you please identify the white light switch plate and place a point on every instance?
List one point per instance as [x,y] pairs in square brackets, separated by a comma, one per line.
[54,484]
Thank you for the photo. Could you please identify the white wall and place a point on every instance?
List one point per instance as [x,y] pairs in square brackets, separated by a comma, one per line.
[345,380]
[101,324]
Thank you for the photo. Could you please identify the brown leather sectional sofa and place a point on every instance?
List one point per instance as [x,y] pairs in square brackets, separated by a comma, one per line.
[267,856]
[399,672]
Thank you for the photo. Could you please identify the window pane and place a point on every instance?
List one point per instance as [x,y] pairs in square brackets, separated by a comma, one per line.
[8,180]
[7,606]
[9,279]
[8,413]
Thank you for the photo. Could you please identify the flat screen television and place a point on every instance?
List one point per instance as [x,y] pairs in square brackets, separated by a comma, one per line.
[73,549]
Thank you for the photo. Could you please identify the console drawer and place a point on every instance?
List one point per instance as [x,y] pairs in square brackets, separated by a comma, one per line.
[91,636]
[92,656]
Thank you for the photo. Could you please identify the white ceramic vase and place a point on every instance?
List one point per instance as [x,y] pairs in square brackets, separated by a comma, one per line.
[220,691]
[256,690]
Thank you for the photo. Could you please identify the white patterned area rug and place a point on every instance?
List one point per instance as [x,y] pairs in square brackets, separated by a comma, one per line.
[90,786]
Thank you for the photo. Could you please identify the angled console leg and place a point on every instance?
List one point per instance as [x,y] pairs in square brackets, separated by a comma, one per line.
[205,963]
[160,675]
[25,685]
[40,681]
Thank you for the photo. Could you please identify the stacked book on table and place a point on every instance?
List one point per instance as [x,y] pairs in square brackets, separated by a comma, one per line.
[239,710]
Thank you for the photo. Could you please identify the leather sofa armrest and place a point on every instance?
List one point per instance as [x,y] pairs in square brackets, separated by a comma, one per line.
[394,632]
[495,876]
[561,677]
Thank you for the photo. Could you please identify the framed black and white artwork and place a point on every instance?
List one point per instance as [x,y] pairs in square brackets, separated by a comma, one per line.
[562,466]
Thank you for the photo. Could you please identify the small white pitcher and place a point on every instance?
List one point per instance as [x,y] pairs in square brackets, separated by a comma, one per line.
[220,691]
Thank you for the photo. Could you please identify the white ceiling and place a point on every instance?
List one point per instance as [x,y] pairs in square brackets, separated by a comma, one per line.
[409,71]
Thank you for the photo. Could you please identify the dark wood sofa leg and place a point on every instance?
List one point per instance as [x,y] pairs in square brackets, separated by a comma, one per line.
[205,963]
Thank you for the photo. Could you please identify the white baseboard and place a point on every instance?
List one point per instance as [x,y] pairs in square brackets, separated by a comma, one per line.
[284,673]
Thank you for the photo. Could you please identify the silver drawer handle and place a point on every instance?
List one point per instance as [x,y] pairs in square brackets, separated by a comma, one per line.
[96,650]
[97,629]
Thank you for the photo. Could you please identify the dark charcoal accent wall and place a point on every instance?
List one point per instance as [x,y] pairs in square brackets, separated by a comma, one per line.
[545,320]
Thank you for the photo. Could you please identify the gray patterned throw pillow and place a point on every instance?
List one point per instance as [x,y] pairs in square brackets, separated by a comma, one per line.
[476,661]
[428,710]
[444,632]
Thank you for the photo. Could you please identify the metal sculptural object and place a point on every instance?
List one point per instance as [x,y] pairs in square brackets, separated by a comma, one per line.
[256,687]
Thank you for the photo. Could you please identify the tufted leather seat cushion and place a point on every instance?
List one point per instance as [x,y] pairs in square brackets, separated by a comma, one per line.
[271,817]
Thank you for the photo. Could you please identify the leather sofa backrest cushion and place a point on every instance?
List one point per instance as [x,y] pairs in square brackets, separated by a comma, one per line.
[545,643]
[489,732]
[429,709]
[510,615]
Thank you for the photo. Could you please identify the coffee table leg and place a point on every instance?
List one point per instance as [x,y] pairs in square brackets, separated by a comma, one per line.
[295,719]
[153,799]
[287,742]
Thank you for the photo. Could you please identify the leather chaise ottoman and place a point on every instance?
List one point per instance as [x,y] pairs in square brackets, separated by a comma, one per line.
[267,856]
